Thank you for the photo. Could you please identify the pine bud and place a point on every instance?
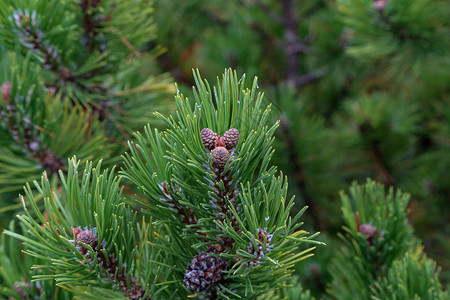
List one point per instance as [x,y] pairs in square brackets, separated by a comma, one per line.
[367,229]
[370,231]
[209,138]
[6,91]
[204,271]
[231,137]
[379,5]
[220,157]
[23,289]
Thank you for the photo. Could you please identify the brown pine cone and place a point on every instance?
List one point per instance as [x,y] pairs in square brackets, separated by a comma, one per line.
[231,137]
[220,157]
[87,237]
[209,138]
[204,271]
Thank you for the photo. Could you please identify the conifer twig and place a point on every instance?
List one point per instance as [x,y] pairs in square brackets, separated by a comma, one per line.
[34,39]
[117,274]
[30,143]
[92,22]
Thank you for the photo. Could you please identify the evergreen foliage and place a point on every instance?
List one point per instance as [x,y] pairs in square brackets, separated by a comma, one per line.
[228,222]
[412,277]
[381,258]
[72,83]
[234,208]
[359,89]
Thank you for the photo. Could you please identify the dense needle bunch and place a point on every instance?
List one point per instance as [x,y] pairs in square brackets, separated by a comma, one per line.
[225,209]
[107,261]
[72,83]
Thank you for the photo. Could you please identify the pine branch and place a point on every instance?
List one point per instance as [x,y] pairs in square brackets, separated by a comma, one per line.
[109,263]
[377,235]
[33,38]
[85,239]
[225,184]
[218,198]
[93,22]
[27,29]
[23,131]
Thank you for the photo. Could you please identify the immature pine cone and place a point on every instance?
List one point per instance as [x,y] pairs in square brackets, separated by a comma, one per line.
[231,137]
[220,157]
[368,230]
[87,237]
[6,91]
[204,271]
[209,138]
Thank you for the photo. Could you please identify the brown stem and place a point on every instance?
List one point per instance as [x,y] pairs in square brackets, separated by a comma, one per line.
[223,211]
[309,77]
[34,39]
[292,41]
[93,21]
[186,213]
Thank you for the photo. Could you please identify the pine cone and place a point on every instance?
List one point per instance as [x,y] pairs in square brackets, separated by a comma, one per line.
[209,138]
[220,157]
[87,237]
[204,271]
[231,137]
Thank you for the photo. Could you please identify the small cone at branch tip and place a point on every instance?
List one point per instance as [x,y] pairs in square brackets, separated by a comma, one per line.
[6,91]
[209,138]
[231,137]
[379,5]
[87,237]
[367,229]
[220,157]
